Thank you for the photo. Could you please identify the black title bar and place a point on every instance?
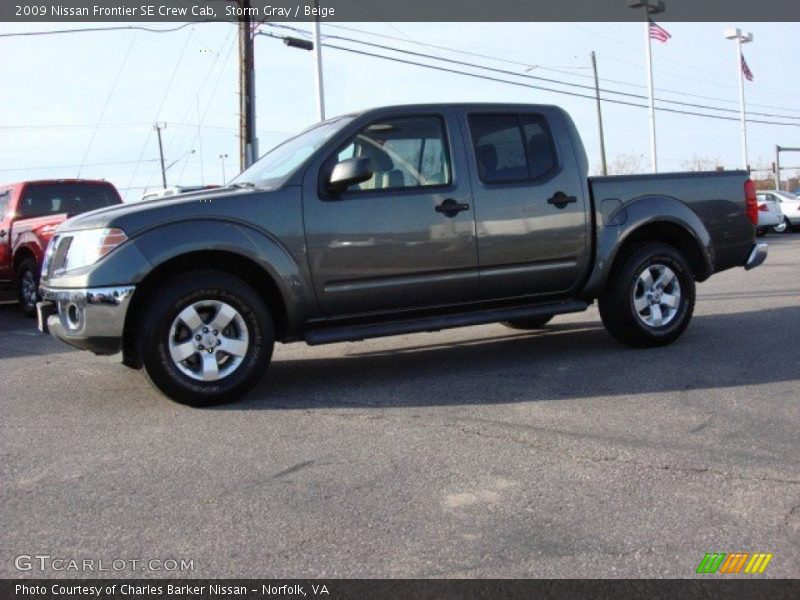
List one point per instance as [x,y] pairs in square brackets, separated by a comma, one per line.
[397,10]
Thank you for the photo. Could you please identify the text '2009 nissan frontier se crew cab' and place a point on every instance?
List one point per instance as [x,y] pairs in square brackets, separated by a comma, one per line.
[391,221]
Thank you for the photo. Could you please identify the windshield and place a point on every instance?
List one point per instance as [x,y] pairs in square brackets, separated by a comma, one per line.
[275,166]
[786,195]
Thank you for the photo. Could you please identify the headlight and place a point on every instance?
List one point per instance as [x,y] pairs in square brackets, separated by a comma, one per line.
[90,245]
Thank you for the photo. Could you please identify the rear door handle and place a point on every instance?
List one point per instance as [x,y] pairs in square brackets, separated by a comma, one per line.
[450,208]
[560,199]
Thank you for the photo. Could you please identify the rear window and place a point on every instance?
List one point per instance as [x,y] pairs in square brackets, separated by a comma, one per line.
[41,199]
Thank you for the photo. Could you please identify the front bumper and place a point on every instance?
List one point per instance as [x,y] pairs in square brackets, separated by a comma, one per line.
[757,255]
[90,319]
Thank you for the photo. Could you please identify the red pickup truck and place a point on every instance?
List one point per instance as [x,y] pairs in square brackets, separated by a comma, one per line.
[30,211]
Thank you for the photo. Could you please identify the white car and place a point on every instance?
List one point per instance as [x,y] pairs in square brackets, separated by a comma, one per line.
[789,205]
[174,190]
[769,212]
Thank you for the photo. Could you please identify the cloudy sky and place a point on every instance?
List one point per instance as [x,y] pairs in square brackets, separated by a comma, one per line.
[85,103]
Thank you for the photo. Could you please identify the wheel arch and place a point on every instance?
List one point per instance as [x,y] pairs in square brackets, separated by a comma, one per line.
[651,219]
[265,283]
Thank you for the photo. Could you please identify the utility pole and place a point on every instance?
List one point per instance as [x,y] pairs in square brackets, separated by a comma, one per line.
[248,144]
[161,154]
[599,115]
[222,157]
[200,141]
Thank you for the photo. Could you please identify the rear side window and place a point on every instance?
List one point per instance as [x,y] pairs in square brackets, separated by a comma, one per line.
[512,147]
[41,199]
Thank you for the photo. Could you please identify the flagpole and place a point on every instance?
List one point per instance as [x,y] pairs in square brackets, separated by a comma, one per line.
[741,101]
[651,7]
[741,38]
[651,92]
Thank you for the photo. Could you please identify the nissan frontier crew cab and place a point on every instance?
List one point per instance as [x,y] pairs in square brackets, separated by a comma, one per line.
[384,222]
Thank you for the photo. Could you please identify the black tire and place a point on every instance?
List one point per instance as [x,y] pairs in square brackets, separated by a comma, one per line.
[28,275]
[785,227]
[528,324]
[155,332]
[618,307]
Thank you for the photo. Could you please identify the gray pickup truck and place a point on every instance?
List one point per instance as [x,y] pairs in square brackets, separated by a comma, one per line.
[384,222]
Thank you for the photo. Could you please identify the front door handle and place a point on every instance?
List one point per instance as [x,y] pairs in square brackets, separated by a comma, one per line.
[560,199]
[2,234]
[450,208]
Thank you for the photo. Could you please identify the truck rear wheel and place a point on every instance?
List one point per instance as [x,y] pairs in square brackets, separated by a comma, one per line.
[650,296]
[205,338]
[28,285]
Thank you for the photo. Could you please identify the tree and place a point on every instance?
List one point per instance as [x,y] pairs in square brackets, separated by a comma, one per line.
[627,164]
[701,163]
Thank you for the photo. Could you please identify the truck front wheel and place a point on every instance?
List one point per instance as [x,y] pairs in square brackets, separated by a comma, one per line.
[650,296]
[205,338]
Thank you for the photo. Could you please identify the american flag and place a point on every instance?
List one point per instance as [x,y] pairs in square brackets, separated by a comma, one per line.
[748,74]
[659,33]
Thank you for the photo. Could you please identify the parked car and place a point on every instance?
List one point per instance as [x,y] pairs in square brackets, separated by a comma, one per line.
[392,221]
[769,213]
[30,211]
[174,191]
[789,205]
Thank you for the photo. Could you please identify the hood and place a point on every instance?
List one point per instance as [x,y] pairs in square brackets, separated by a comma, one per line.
[136,216]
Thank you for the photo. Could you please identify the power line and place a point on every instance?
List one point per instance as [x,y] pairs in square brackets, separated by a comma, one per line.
[163,100]
[556,81]
[544,67]
[106,103]
[527,85]
[132,125]
[100,164]
[114,28]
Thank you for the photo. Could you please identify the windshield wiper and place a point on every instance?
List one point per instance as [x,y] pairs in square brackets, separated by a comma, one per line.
[242,185]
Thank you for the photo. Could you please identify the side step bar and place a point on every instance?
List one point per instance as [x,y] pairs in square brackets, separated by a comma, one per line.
[354,333]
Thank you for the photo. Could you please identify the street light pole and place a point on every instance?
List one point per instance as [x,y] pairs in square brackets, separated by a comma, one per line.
[741,38]
[318,66]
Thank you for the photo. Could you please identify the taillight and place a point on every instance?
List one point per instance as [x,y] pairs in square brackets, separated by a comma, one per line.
[750,201]
[763,208]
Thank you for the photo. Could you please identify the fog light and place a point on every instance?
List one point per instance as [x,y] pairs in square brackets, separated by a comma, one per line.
[73,316]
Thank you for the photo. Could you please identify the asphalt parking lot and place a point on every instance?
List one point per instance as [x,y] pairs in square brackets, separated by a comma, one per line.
[480,452]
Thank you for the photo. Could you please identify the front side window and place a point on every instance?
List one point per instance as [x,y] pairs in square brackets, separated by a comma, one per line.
[407,152]
[512,147]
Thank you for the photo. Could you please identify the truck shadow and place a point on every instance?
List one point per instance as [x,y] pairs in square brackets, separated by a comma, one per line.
[575,360]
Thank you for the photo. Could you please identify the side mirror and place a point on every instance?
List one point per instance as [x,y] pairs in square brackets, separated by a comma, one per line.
[349,172]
